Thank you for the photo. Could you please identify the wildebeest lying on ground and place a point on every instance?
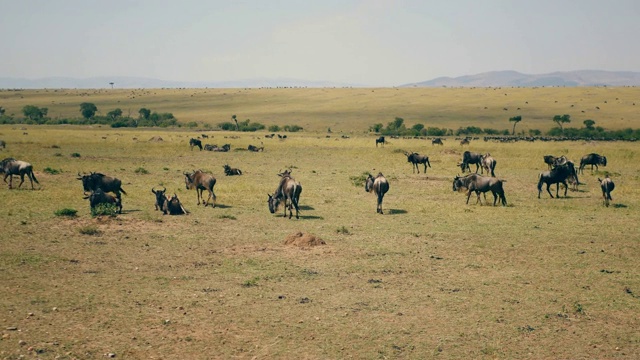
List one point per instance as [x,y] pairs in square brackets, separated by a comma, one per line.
[201,181]
[173,206]
[229,171]
[488,164]
[380,140]
[379,185]
[415,159]
[481,184]
[255,148]
[195,142]
[607,187]
[98,196]
[95,181]
[288,191]
[11,166]
[469,157]
[224,148]
[437,141]
[592,159]
[562,169]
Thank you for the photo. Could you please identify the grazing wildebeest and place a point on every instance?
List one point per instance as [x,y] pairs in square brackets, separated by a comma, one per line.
[11,166]
[255,148]
[195,142]
[160,197]
[558,175]
[288,191]
[229,171]
[95,181]
[379,185]
[415,159]
[488,164]
[204,136]
[380,140]
[607,187]
[469,157]
[592,159]
[464,141]
[98,196]
[481,184]
[549,160]
[3,144]
[270,136]
[201,181]
[173,206]
[437,141]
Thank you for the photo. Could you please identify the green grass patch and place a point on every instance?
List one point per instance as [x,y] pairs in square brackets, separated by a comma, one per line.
[68,212]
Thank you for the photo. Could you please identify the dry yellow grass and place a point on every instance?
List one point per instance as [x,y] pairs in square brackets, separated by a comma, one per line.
[433,277]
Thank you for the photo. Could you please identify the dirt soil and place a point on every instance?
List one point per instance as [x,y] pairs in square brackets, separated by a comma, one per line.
[301,239]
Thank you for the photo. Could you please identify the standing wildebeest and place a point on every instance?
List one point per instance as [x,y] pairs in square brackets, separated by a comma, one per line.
[288,191]
[436,141]
[173,206]
[195,142]
[464,141]
[379,185]
[488,164]
[415,159]
[607,187]
[229,171]
[558,175]
[255,148]
[592,159]
[200,181]
[549,160]
[98,196]
[481,184]
[95,181]
[3,144]
[160,197]
[380,140]
[469,157]
[11,166]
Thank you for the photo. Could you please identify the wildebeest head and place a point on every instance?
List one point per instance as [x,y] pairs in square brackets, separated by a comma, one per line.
[160,197]
[458,183]
[273,203]
[368,185]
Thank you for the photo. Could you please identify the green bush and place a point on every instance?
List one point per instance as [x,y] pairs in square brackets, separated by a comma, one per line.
[292,128]
[359,180]
[66,212]
[75,155]
[274,128]
[141,170]
[104,210]
[51,171]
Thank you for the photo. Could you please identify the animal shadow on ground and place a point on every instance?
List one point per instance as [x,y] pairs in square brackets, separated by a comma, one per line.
[311,217]
[306,207]
[396,211]
[130,211]
[223,206]
[619,206]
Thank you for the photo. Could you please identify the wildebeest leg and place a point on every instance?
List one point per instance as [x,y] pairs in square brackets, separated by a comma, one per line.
[213,197]
[425,168]
[379,208]
[469,195]
[21,179]
[199,195]
[549,191]
[565,187]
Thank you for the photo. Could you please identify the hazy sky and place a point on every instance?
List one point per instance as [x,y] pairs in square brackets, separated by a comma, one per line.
[366,42]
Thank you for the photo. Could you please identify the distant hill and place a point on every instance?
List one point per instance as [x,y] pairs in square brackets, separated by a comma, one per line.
[140,82]
[515,79]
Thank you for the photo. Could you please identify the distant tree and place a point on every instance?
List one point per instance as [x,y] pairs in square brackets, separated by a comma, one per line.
[144,113]
[516,120]
[34,113]
[376,127]
[418,127]
[114,114]
[235,119]
[111,83]
[562,119]
[88,110]
[589,124]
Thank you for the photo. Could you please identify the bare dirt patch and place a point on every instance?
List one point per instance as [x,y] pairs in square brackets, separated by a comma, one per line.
[301,239]
[156,139]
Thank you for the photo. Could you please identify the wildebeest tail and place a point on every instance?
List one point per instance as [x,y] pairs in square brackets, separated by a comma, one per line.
[33,176]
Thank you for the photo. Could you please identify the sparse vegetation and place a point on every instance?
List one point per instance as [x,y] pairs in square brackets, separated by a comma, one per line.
[66,212]
[52,171]
[104,210]
[89,230]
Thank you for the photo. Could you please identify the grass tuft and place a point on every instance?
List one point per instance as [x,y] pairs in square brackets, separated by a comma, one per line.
[89,230]
[66,212]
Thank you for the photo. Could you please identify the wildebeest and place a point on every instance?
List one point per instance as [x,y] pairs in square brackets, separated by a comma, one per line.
[173,206]
[592,159]
[255,148]
[415,159]
[489,164]
[549,160]
[229,171]
[98,196]
[469,157]
[481,184]
[379,185]
[3,144]
[160,197]
[380,140]
[437,141]
[11,166]
[224,148]
[558,175]
[607,187]
[201,181]
[195,142]
[288,191]
[95,181]
[464,141]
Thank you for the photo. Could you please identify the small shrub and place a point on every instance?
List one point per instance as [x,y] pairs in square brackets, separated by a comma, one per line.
[75,155]
[57,154]
[251,282]
[89,230]
[51,171]
[141,170]
[191,124]
[293,128]
[359,180]
[343,230]
[66,212]
[274,128]
[104,210]
[225,216]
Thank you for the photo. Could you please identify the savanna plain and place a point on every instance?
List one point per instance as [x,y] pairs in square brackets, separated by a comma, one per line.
[432,277]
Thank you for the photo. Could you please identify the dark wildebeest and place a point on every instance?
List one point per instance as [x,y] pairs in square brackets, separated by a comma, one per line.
[379,185]
[549,160]
[488,164]
[195,142]
[201,181]
[558,175]
[3,144]
[255,148]
[173,206]
[160,197]
[380,140]
[288,191]
[11,166]
[95,181]
[607,187]
[229,171]
[469,157]
[592,159]
[464,141]
[437,141]
[204,136]
[98,196]
[415,159]
[481,184]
